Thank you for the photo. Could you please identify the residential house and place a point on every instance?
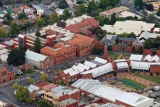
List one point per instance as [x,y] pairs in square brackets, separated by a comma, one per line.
[48,13]
[27,10]
[16,10]
[59,11]
[70,102]
[109,39]
[18,22]
[117,11]
[145,35]
[8,10]
[61,93]
[127,41]
[128,14]
[48,5]
[6,73]
[38,60]
[40,8]
[71,10]
[82,27]
[1,14]
[6,28]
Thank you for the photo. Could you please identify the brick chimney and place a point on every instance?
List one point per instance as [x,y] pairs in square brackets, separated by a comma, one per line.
[105,56]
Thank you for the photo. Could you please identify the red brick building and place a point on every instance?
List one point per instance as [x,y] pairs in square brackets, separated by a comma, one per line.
[6,73]
[82,27]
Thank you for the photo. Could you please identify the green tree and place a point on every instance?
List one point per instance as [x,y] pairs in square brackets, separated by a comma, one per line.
[151,18]
[70,82]
[13,1]
[54,17]
[100,19]
[26,1]
[131,35]
[98,48]
[16,57]
[103,4]
[79,2]
[156,42]
[140,49]
[14,29]
[61,24]
[114,2]
[139,3]
[133,50]
[16,85]
[37,33]
[157,73]
[151,73]
[149,7]
[30,81]
[29,100]
[91,6]
[148,44]
[44,76]
[113,19]
[158,12]
[66,14]
[22,16]
[44,103]
[37,45]
[62,4]
[99,32]
[81,10]
[3,33]
[115,73]
[40,22]
[22,93]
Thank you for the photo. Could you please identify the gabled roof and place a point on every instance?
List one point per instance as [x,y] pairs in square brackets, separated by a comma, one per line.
[90,64]
[32,88]
[48,12]
[155,58]
[100,60]
[110,38]
[127,39]
[148,58]
[135,57]
[35,56]
[145,35]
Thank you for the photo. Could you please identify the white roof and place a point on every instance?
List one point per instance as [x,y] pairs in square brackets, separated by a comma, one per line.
[120,60]
[156,29]
[135,100]
[21,36]
[100,70]
[32,88]
[40,92]
[4,57]
[3,51]
[35,56]
[80,67]
[71,71]
[124,27]
[59,11]
[148,58]
[122,65]
[100,60]
[135,57]
[155,58]
[90,64]
[140,65]
[127,13]
[147,35]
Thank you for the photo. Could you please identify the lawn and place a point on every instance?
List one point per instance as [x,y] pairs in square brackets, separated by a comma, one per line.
[128,55]
[113,55]
[152,79]
[132,84]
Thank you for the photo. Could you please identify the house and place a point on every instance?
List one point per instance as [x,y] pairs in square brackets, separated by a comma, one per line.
[107,94]
[126,41]
[8,10]
[38,60]
[16,10]
[128,14]
[121,27]
[18,22]
[121,65]
[48,13]
[83,26]
[71,10]
[27,10]
[6,73]
[110,39]
[145,35]
[117,11]
[61,93]
[59,11]
[70,102]
[1,14]
[40,8]
[135,57]
[6,28]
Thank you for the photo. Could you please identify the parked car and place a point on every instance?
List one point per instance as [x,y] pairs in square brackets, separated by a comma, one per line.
[157,88]
[150,91]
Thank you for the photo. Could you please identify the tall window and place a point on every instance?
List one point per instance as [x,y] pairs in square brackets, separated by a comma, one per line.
[4,73]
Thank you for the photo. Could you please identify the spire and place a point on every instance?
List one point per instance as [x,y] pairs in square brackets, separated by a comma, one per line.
[105,56]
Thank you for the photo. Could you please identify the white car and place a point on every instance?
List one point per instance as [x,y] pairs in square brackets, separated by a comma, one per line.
[150,91]
[157,88]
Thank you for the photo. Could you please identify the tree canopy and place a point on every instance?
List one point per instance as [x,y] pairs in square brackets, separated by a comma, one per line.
[103,4]
[37,33]
[54,17]
[16,85]
[22,93]
[62,4]
[40,22]
[37,45]
[66,14]
[98,48]
[148,44]
[44,76]
[16,57]
[44,103]
[81,10]
[91,6]
[158,12]
[156,42]
[139,3]
[30,81]
[61,24]
[14,29]
[99,32]
[3,33]
[149,7]
[22,16]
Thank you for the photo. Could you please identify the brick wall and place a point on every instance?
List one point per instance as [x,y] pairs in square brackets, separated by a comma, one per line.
[147,51]
[129,49]
[115,48]
[158,52]
[155,68]
[88,76]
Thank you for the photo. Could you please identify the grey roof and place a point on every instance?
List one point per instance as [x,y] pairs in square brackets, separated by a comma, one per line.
[95,62]
[17,71]
[10,67]
[68,101]
[42,6]
[71,9]
[126,39]
[1,61]
[48,12]
[145,35]
[1,65]
[110,38]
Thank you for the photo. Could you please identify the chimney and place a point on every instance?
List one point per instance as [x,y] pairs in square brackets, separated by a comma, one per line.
[63,93]
[68,103]
[105,56]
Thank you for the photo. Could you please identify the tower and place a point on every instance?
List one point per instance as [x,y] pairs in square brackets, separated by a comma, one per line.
[105,56]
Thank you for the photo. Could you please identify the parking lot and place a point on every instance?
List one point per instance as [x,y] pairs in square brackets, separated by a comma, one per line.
[155,93]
